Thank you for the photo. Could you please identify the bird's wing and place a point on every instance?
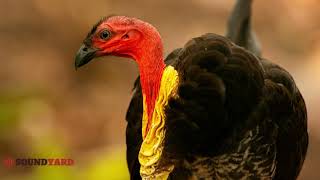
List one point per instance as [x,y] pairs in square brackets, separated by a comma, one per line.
[220,84]
[225,92]
[212,120]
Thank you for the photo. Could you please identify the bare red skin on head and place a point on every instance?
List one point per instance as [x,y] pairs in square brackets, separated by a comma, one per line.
[140,41]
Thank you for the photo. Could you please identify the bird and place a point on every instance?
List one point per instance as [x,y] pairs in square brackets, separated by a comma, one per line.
[212,109]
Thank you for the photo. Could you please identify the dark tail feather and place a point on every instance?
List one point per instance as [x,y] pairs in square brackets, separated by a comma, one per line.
[239,27]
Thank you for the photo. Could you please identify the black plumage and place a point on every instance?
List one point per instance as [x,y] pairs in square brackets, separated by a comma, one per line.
[236,116]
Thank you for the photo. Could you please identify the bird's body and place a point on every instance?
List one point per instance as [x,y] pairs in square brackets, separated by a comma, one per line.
[211,109]
[234,116]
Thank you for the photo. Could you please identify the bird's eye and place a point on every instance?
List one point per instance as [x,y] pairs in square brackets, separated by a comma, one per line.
[105,34]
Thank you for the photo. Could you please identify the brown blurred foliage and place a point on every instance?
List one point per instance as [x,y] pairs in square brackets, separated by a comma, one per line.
[42,96]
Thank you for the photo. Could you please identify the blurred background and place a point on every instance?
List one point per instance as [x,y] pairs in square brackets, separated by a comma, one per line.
[47,109]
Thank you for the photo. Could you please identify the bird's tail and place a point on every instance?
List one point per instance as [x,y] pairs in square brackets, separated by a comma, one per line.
[239,27]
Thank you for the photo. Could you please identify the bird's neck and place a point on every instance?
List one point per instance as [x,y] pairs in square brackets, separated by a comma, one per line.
[151,71]
[149,56]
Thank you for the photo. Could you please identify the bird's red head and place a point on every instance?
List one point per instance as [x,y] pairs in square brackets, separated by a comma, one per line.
[128,37]
[121,36]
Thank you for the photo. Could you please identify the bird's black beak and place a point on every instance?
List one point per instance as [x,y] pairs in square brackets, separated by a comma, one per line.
[84,55]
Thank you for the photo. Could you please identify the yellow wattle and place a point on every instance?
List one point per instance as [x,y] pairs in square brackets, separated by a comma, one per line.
[152,145]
